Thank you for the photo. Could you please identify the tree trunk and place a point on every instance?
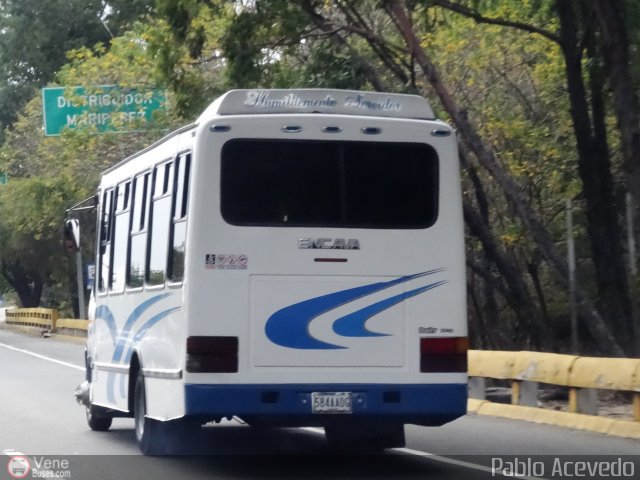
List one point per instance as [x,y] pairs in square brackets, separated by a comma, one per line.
[595,323]
[611,17]
[597,182]
[27,285]
[482,332]
[519,297]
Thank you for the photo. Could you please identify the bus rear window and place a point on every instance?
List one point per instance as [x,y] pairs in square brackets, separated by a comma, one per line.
[329,184]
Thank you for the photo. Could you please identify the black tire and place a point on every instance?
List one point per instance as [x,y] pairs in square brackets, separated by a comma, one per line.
[155,437]
[98,419]
[144,427]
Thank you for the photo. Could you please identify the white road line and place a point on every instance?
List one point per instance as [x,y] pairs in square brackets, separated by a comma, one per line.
[42,357]
[441,459]
[461,463]
[12,453]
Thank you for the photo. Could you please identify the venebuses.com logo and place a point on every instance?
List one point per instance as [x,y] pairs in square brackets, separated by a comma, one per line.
[21,466]
[18,467]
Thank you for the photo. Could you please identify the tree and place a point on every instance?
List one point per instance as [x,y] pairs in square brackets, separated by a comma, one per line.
[616,46]
[593,164]
[29,235]
[50,174]
[186,46]
[207,47]
[578,38]
[121,15]
[389,42]
[35,36]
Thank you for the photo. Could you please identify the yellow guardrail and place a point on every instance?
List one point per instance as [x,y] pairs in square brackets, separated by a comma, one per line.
[72,324]
[44,318]
[32,317]
[582,376]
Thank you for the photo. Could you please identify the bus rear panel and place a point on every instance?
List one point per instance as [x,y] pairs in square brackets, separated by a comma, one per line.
[319,263]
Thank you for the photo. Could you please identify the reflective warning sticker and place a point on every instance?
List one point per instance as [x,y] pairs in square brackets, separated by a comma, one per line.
[218,261]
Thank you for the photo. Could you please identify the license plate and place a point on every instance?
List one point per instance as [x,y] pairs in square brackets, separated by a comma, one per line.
[331,402]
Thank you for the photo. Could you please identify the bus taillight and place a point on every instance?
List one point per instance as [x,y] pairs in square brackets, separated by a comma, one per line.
[212,354]
[443,354]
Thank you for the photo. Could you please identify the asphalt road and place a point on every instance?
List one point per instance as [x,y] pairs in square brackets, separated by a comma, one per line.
[40,419]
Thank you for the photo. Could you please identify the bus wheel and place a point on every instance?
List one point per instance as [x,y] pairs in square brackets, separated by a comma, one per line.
[147,436]
[155,437]
[98,419]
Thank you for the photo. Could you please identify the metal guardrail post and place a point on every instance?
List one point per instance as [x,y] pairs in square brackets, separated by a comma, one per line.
[54,320]
[477,388]
[524,393]
[583,400]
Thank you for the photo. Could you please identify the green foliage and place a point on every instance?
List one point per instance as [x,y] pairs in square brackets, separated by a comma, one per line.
[29,233]
[123,14]
[205,47]
[511,83]
[186,48]
[50,174]
[31,213]
[33,44]
[512,86]
[37,59]
[37,34]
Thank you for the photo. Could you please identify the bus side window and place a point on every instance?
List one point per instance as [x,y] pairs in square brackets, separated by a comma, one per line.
[179,218]
[106,221]
[138,233]
[120,236]
[160,217]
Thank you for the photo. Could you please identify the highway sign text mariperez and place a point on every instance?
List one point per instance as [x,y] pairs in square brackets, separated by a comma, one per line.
[107,108]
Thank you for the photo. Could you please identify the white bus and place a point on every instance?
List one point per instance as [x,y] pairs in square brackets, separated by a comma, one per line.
[293,258]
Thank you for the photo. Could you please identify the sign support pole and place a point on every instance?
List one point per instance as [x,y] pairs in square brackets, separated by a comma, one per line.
[82,313]
[571,260]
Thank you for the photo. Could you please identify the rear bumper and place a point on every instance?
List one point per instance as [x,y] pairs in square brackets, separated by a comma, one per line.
[290,404]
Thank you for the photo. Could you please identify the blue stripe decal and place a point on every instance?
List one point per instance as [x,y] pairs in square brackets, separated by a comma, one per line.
[104,313]
[353,325]
[145,328]
[133,318]
[289,327]
[122,341]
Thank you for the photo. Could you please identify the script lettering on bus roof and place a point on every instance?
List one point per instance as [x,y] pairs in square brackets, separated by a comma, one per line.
[265,99]
[361,102]
[259,98]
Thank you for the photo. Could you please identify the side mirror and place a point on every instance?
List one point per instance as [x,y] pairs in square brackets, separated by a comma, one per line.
[71,240]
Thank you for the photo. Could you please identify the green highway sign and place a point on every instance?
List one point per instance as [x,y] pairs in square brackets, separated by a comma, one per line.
[108,108]
[4,178]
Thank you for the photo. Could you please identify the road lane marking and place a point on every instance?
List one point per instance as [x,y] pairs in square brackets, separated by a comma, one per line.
[462,463]
[12,453]
[441,459]
[42,357]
